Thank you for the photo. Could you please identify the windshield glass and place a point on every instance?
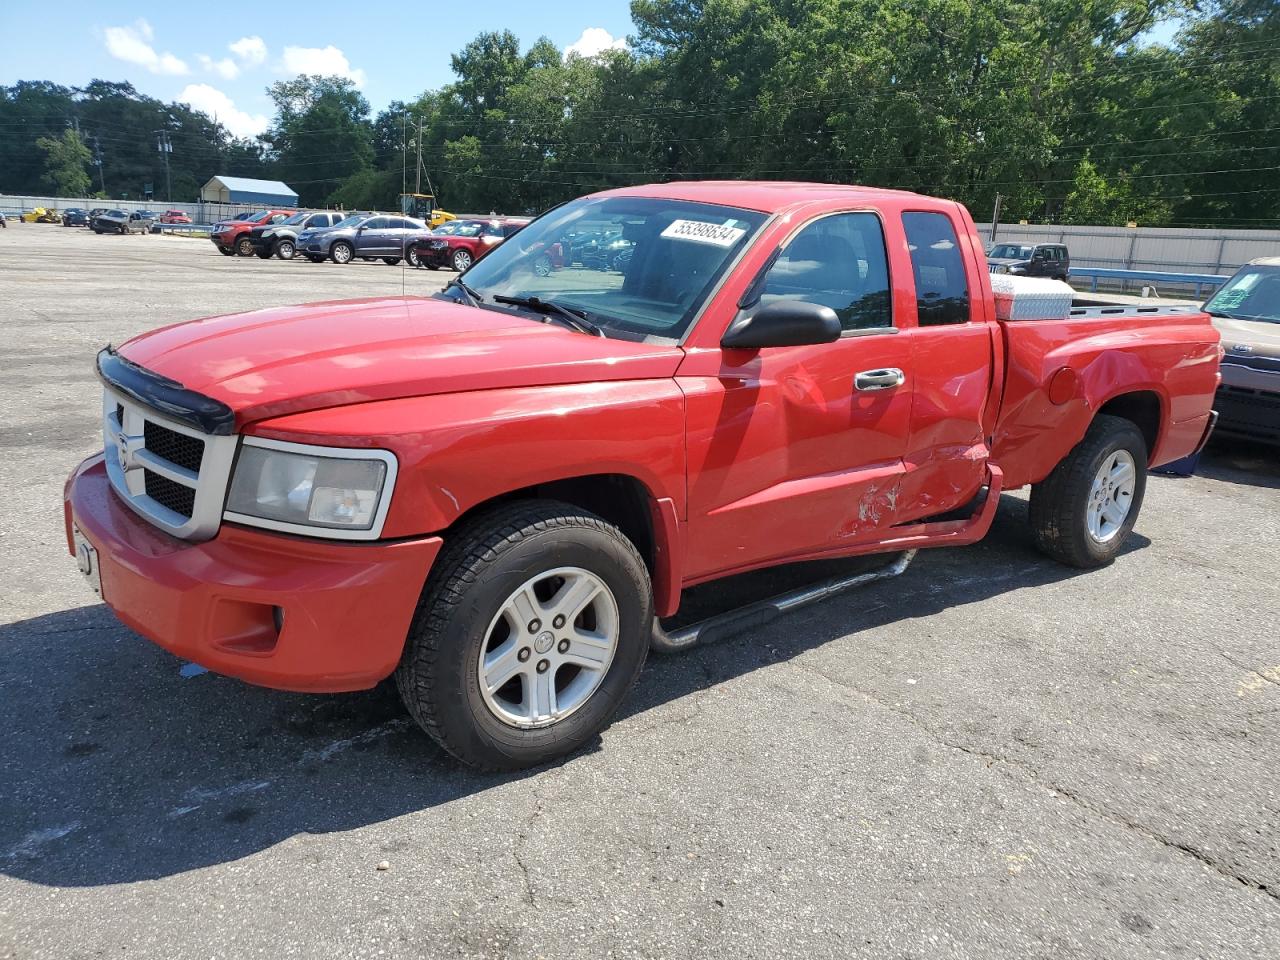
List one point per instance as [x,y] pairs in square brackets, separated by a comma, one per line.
[638,267]
[1010,251]
[352,220]
[1252,294]
[296,218]
[465,228]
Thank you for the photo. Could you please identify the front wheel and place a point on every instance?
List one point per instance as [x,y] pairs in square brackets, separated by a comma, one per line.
[411,258]
[244,247]
[1084,510]
[461,260]
[285,249]
[533,626]
[342,252]
[124,229]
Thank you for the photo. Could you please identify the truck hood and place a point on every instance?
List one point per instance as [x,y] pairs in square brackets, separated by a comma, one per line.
[283,360]
[1257,338]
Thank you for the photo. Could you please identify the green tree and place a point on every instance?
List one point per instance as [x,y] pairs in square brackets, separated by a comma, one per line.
[321,135]
[66,164]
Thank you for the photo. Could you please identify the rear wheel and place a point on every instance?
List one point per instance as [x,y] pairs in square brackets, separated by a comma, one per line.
[461,260]
[542,266]
[1084,510]
[341,252]
[285,249]
[533,626]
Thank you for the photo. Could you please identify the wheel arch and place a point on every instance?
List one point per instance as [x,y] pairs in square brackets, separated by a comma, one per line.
[1145,409]
[644,518]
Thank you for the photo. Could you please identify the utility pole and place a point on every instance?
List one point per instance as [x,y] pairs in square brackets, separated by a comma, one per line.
[165,147]
[97,162]
[417,171]
[995,217]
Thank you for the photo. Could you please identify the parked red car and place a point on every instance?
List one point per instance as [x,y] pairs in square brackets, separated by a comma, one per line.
[174,216]
[460,243]
[494,492]
[231,237]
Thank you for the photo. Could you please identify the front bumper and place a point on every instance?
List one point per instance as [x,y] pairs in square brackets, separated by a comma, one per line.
[275,610]
[224,240]
[1248,403]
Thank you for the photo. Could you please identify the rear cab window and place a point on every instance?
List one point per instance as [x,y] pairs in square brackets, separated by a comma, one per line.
[942,284]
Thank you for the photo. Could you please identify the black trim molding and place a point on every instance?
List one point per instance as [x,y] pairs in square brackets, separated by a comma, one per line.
[163,395]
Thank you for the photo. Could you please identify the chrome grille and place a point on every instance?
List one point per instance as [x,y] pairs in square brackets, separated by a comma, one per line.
[169,473]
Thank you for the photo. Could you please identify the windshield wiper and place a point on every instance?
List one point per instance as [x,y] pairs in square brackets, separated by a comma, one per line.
[577,319]
[473,299]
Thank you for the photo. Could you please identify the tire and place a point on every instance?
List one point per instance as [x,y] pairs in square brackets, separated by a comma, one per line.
[341,252]
[285,249]
[431,266]
[466,610]
[461,260]
[542,266]
[124,229]
[390,261]
[226,251]
[262,254]
[314,259]
[244,247]
[411,258]
[1081,514]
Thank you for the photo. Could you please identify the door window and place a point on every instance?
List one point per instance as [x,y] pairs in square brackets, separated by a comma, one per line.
[942,285]
[377,223]
[838,261]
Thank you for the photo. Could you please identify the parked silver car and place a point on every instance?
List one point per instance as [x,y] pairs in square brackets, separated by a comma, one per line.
[378,236]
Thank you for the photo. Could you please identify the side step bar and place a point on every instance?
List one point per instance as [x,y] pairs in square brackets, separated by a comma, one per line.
[762,611]
[909,538]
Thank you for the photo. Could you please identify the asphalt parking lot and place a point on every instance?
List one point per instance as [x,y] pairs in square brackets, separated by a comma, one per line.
[991,756]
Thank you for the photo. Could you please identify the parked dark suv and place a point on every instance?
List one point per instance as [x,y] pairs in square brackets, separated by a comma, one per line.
[281,239]
[380,236]
[1030,259]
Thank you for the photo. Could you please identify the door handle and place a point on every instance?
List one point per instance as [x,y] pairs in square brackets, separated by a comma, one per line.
[885,379]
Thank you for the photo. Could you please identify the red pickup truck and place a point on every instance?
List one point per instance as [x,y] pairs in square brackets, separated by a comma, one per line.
[496,493]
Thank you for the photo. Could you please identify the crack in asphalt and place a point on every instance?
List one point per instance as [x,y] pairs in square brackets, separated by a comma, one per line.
[1261,675]
[522,838]
[1090,806]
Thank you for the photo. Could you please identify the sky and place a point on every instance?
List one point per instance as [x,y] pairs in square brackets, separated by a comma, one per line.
[220,58]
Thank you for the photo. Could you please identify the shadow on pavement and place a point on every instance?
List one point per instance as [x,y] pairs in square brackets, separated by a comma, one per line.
[1233,460]
[117,768]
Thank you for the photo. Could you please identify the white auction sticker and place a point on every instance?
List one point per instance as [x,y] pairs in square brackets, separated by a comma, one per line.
[716,234]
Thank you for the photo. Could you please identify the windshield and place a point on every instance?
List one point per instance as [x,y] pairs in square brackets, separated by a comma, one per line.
[1252,294]
[651,284]
[464,228]
[352,220]
[1010,251]
[296,218]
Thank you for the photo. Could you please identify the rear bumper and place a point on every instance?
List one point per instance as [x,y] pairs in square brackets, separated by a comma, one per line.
[274,610]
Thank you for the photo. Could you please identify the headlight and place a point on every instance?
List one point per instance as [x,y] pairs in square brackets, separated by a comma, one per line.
[318,491]
[1000,268]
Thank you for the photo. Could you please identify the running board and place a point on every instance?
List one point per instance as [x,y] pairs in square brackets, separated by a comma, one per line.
[910,538]
[762,611]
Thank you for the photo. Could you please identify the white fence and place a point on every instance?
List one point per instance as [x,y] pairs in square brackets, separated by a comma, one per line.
[1159,249]
[200,212]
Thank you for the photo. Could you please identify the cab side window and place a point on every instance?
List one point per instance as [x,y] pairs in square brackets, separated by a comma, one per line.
[319,220]
[840,262]
[942,286]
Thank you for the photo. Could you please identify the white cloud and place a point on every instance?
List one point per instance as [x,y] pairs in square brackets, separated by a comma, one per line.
[217,104]
[226,68]
[249,50]
[326,61]
[132,44]
[594,40]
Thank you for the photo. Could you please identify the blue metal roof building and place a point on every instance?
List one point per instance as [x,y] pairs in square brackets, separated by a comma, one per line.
[270,193]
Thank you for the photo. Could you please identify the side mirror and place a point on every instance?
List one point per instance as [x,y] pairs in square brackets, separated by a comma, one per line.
[787,323]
